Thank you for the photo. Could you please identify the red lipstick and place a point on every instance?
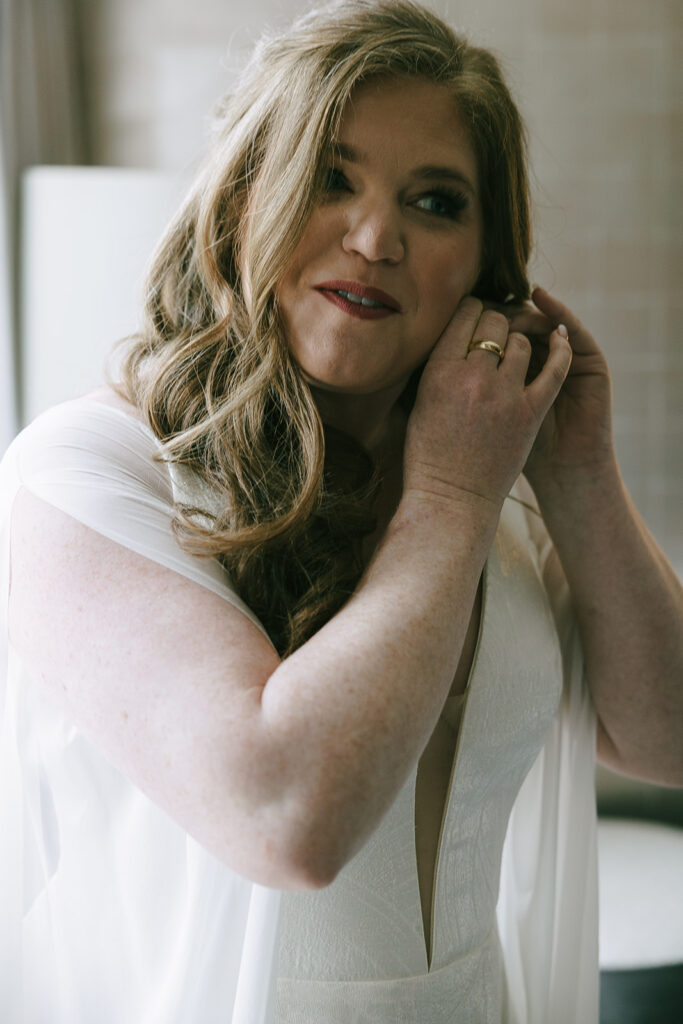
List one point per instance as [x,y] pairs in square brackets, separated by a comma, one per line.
[348,295]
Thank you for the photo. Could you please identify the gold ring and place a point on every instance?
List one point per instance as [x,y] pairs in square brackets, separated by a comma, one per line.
[487,346]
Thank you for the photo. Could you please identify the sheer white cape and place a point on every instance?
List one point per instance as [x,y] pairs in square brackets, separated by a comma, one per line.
[547,909]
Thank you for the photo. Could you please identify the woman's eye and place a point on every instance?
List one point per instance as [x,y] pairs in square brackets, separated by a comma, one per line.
[443,204]
[336,180]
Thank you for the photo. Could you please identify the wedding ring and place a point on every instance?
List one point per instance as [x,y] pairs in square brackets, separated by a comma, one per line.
[487,346]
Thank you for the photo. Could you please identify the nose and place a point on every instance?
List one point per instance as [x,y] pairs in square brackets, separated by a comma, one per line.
[374,232]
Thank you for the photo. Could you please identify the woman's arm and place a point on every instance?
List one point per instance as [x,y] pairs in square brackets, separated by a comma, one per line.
[282,769]
[278,768]
[628,600]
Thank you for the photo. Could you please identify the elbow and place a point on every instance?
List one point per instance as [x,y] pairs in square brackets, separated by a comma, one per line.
[310,865]
[297,832]
[660,764]
[307,877]
[316,841]
[266,848]
[289,858]
[292,874]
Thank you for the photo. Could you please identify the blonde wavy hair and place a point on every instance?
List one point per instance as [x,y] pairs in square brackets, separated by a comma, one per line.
[210,368]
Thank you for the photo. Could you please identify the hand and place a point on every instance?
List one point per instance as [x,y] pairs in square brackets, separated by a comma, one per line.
[576,435]
[475,418]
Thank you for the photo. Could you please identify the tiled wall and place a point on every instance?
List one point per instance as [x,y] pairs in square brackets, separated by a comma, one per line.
[597,81]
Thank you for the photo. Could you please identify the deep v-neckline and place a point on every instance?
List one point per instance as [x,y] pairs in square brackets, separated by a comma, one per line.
[428,942]
[429,938]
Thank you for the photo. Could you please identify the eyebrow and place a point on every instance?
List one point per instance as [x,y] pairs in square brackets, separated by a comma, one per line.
[429,171]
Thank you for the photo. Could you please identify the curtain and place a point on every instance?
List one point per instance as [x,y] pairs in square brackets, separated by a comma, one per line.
[42,121]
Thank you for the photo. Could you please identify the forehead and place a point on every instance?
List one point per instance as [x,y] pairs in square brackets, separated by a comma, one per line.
[407,117]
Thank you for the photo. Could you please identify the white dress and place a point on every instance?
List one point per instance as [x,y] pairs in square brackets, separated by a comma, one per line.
[110,912]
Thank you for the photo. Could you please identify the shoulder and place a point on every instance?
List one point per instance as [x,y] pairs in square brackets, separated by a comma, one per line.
[100,406]
[113,400]
[97,464]
[94,441]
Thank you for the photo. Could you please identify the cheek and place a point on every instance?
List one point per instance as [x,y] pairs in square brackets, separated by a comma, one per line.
[465,262]
[446,281]
[321,233]
[453,275]
[301,270]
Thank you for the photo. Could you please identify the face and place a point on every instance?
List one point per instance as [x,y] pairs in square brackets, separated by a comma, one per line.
[393,246]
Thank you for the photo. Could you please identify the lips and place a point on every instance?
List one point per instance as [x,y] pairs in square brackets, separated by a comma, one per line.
[352,293]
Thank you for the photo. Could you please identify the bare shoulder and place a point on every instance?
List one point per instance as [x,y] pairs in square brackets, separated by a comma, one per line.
[162,675]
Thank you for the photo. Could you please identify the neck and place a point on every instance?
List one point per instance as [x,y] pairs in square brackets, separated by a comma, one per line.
[369,419]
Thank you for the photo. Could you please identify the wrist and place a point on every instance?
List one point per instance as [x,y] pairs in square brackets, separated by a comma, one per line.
[572,484]
[455,517]
[575,497]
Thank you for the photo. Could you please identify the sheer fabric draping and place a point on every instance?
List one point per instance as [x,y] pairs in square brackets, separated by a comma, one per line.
[194,940]
[110,911]
[548,901]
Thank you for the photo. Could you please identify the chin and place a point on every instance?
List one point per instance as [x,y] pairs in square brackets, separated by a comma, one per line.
[342,384]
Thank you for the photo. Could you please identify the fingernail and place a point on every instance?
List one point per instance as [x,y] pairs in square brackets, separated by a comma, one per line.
[561,329]
[536,287]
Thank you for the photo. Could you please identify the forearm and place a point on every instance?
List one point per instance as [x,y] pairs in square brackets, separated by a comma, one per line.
[349,713]
[353,708]
[629,605]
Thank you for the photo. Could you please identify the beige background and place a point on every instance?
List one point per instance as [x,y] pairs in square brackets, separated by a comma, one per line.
[598,83]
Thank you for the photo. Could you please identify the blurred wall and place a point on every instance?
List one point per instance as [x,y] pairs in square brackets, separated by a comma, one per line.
[597,81]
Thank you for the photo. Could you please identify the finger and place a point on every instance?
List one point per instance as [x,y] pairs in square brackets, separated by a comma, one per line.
[539,354]
[531,321]
[517,356]
[492,326]
[543,390]
[581,340]
[554,309]
[508,309]
[459,329]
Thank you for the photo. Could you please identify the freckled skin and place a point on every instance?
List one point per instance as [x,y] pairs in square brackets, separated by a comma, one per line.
[385,228]
[382,229]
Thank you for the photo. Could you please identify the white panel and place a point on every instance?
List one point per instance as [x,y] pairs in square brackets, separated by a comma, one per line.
[641,894]
[87,235]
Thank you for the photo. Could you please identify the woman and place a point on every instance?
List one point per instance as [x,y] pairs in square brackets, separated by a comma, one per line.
[255,584]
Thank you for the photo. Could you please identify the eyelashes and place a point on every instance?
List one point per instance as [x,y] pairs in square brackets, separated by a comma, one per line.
[444,203]
[336,180]
[438,202]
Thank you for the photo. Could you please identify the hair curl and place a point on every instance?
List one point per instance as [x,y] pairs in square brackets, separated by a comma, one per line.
[210,368]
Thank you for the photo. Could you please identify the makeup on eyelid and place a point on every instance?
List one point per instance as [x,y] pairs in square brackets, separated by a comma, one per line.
[453,201]
[390,248]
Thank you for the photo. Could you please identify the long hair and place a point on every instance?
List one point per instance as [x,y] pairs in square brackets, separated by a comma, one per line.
[210,368]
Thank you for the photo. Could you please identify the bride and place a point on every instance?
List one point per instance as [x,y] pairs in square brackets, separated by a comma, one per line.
[319,614]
